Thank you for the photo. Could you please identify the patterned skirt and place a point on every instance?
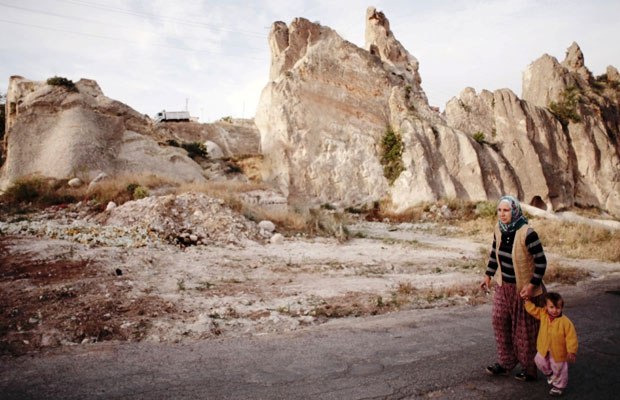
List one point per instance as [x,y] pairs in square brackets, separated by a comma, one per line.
[515,329]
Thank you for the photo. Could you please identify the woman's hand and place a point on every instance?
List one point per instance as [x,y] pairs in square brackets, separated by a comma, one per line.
[527,291]
[486,284]
[571,357]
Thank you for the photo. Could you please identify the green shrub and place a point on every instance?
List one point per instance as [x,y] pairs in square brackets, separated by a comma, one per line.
[136,191]
[391,155]
[38,191]
[131,187]
[227,119]
[486,209]
[195,149]
[478,137]
[140,192]
[231,167]
[64,82]
[25,190]
[566,109]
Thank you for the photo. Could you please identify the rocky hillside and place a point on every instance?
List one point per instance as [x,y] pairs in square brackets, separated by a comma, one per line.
[351,126]
[63,130]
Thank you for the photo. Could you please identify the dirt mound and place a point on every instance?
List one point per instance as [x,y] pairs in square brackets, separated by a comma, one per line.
[186,219]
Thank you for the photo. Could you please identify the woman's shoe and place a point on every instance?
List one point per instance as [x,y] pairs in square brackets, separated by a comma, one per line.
[496,370]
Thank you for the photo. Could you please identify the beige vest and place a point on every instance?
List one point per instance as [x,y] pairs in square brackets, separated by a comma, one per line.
[522,260]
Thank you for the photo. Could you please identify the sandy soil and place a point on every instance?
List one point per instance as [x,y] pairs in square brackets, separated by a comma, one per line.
[59,291]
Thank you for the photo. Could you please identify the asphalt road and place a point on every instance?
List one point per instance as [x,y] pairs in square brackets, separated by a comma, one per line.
[420,354]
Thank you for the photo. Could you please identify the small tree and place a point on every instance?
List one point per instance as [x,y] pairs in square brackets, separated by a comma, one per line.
[565,110]
[195,149]
[391,157]
[64,82]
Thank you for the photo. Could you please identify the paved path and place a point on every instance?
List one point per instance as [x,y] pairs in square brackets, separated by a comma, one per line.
[438,354]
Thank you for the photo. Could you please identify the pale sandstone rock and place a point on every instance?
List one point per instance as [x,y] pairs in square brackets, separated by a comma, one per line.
[55,133]
[612,73]
[574,62]
[326,108]
[267,226]
[380,41]
[234,137]
[213,150]
[75,182]
[277,239]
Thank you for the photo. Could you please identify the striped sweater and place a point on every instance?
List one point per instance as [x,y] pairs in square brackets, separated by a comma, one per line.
[534,247]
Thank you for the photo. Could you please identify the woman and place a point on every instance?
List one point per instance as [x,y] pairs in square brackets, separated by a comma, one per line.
[518,262]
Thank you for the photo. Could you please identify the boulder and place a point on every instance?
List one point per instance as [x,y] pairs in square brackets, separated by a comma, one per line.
[75,182]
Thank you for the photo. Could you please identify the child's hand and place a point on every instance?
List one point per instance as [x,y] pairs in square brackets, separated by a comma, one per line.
[571,357]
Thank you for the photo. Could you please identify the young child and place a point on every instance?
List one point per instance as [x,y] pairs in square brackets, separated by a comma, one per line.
[556,345]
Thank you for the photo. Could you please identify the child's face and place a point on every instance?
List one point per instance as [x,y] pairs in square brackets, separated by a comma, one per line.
[554,310]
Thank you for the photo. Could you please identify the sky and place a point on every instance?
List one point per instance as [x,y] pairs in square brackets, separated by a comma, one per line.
[212,57]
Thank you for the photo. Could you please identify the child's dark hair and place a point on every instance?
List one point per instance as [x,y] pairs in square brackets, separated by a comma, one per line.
[555,298]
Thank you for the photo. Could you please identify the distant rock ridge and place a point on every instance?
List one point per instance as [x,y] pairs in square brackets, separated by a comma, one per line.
[64,132]
[325,113]
[59,132]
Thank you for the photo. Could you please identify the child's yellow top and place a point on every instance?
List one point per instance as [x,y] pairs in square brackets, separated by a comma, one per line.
[558,336]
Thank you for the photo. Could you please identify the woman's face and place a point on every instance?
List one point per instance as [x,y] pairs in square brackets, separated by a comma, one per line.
[504,213]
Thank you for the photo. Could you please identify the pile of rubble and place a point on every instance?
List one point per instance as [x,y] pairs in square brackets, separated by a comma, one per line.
[185,219]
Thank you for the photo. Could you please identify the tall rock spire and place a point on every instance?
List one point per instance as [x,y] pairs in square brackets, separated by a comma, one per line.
[381,42]
[574,62]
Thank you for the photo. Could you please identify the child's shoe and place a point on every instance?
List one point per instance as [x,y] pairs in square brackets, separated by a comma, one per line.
[524,377]
[496,370]
[555,391]
[550,379]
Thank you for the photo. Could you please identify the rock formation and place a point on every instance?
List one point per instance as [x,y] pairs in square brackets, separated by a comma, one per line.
[231,137]
[562,139]
[330,108]
[61,132]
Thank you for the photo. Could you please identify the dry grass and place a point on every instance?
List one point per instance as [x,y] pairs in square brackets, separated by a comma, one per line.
[220,189]
[579,240]
[476,220]
[572,240]
[298,218]
[566,275]
[405,288]
[459,210]
[37,192]
[121,189]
